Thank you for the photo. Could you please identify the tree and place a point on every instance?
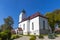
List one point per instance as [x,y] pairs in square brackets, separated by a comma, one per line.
[3,27]
[9,22]
[6,28]
[0,29]
[53,18]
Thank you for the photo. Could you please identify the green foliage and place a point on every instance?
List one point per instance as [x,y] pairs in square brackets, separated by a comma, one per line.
[8,23]
[6,28]
[9,20]
[5,35]
[8,33]
[32,38]
[41,36]
[15,36]
[0,29]
[53,18]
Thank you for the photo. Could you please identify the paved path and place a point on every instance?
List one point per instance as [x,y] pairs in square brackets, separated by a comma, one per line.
[45,38]
[23,38]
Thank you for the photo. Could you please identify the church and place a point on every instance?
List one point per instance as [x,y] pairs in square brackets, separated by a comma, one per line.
[33,25]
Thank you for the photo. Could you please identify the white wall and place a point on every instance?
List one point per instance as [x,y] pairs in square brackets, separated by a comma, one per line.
[26,26]
[22,16]
[36,26]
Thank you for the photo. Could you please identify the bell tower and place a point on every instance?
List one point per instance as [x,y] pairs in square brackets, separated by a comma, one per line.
[22,15]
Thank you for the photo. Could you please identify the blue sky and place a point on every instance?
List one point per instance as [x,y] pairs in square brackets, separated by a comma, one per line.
[14,7]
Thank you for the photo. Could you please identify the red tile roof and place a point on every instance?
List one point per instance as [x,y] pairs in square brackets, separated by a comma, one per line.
[33,16]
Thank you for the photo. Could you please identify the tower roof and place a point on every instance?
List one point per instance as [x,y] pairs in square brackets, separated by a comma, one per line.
[23,11]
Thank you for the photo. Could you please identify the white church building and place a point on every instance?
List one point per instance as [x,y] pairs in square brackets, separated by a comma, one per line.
[34,25]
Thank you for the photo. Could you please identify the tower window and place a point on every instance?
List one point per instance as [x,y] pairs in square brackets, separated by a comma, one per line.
[32,26]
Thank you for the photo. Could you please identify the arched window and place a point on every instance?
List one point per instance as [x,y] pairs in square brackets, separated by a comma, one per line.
[32,26]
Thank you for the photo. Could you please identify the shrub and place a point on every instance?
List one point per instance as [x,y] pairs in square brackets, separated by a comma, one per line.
[5,35]
[32,38]
[8,33]
[40,36]
[51,36]
[15,36]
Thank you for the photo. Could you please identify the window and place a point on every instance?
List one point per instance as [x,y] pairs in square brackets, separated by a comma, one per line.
[44,25]
[23,26]
[32,26]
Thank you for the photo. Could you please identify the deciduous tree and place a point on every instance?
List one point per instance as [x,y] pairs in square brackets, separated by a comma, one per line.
[53,18]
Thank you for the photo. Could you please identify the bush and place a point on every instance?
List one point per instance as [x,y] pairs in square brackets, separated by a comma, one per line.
[33,37]
[5,35]
[40,36]
[8,33]
[15,36]
[51,36]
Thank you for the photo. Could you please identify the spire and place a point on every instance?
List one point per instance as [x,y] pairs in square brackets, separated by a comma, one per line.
[23,11]
[22,15]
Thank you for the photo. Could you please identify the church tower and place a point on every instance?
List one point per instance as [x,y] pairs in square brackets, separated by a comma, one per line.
[22,15]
